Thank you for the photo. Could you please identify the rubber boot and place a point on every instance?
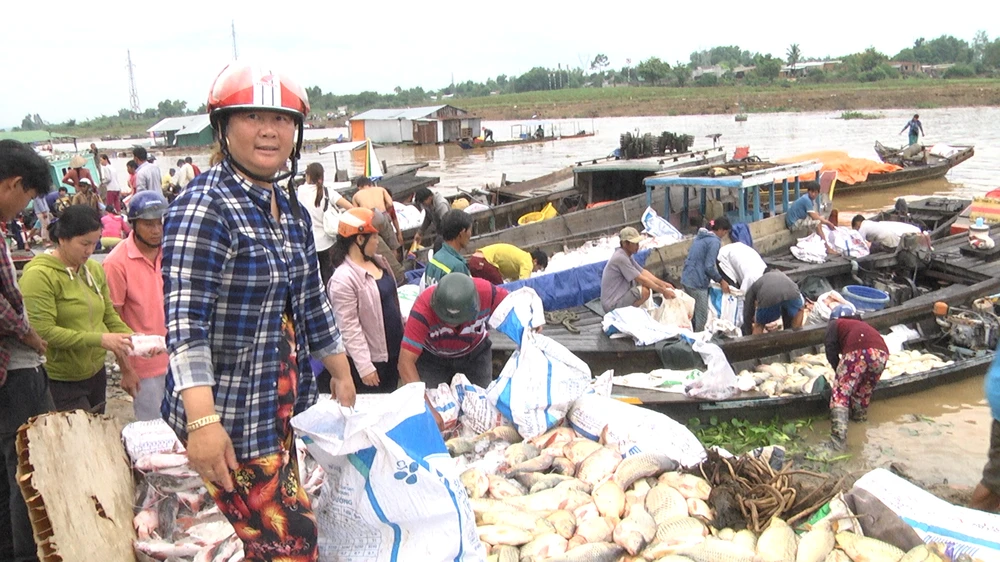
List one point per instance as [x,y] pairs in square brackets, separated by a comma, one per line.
[859,414]
[838,429]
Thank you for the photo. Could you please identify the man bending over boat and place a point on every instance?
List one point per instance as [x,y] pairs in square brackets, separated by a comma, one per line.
[624,282]
[802,214]
[882,236]
[773,303]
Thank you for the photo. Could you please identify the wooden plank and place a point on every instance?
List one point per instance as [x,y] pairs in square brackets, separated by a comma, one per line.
[73,469]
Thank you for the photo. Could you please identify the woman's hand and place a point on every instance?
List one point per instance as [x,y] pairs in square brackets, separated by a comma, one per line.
[343,391]
[370,379]
[211,454]
[130,381]
[119,344]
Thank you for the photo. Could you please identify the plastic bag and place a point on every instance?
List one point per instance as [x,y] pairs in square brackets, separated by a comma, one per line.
[445,403]
[542,378]
[631,430]
[657,226]
[391,492]
[823,306]
[721,306]
[476,414]
[719,381]
[676,312]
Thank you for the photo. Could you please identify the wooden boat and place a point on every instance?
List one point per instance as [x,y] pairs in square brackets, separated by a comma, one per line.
[939,280]
[931,167]
[756,406]
[592,183]
[474,144]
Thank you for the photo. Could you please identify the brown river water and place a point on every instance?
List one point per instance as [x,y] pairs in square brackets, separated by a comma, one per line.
[937,437]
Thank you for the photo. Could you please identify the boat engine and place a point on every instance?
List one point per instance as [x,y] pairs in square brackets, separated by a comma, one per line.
[971,331]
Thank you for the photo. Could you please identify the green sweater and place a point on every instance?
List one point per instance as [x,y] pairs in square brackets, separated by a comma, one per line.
[70,311]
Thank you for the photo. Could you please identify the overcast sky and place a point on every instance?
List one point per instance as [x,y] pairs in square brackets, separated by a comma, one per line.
[67,60]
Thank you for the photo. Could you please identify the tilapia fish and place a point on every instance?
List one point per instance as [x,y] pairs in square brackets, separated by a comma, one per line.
[867,549]
[550,500]
[610,500]
[598,552]
[598,466]
[816,545]
[717,550]
[534,523]
[520,452]
[540,463]
[664,503]
[543,547]
[503,534]
[635,531]
[579,449]
[476,482]
[689,485]
[564,522]
[778,542]
[501,487]
[642,465]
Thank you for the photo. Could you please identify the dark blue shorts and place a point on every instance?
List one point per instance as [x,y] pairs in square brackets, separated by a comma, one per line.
[786,309]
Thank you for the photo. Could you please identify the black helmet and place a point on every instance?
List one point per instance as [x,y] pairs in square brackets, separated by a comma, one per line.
[455,299]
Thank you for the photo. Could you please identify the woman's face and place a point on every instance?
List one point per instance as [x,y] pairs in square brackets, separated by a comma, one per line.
[77,250]
[261,141]
[371,246]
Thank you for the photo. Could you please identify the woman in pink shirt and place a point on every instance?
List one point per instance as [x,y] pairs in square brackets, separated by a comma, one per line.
[363,293]
[113,229]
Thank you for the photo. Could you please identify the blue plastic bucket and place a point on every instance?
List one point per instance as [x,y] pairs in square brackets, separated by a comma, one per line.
[865,298]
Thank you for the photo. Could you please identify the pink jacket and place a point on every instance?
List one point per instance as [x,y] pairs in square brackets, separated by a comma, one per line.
[356,305]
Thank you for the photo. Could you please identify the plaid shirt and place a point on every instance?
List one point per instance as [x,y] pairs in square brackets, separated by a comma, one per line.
[13,322]
[229,271]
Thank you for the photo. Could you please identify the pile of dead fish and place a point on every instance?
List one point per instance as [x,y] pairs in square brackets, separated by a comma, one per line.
[175,517]
[802,376]
[561,497]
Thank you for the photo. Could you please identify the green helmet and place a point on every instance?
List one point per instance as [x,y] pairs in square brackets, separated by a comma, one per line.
[455,299]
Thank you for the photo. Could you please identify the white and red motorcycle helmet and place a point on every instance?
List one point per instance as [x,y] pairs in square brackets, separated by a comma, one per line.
[243,86]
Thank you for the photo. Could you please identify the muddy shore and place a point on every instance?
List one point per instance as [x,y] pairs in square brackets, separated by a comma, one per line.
[633,101]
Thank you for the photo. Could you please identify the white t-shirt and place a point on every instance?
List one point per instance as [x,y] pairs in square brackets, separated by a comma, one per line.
[307,196]
[886,233]
[111,176]
[741,263]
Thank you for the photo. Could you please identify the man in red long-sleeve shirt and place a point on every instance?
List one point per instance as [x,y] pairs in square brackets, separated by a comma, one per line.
[858,354]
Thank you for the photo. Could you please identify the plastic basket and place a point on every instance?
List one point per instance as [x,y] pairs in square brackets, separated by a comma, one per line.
[865,298]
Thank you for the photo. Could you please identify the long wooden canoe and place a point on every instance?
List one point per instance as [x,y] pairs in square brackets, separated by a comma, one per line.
[908,175]
[755,406]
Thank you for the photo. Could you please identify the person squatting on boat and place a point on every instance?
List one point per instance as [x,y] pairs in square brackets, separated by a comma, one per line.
[365,302]
[802,214]
[701,268]
[858,354]
[24,384]
[624,282]
[245,310]
[773,303]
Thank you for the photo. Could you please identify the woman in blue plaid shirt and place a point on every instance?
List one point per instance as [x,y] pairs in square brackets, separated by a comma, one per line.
[245,309]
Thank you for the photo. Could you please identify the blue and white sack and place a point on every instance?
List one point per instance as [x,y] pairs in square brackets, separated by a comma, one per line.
[391,493]
[655,225]
[542,378]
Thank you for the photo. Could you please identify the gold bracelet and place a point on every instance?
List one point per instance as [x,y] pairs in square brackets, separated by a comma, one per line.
[202,422]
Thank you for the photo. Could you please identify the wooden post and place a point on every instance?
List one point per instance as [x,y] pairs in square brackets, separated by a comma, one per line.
[757,215]
[704,202]
[770,193]
[784,195]
[666,204]
[686,207]
[743,204]
[649,195]
[797,186]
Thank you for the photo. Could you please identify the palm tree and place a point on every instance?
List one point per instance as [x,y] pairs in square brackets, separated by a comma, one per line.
[794,54]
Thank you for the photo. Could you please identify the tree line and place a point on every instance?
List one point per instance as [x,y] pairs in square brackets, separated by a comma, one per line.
[980,57]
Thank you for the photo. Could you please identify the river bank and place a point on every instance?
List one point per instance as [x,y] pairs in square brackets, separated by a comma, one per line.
[632,101]
[776,98]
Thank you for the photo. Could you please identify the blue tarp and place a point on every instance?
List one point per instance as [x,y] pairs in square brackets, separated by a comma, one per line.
[570,287]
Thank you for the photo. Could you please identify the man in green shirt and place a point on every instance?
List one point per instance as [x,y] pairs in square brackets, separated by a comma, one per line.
[456,229]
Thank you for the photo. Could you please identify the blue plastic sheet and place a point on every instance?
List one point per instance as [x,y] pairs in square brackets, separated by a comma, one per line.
[570,287]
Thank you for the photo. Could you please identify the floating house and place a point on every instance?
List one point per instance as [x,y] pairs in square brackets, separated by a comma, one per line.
[419,125]
[192,130]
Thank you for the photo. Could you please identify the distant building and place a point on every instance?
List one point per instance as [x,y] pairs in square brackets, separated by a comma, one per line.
[742,71]
[702,70]
[803,68]
[907,67]
[193,130]
[937,70]
[420,125]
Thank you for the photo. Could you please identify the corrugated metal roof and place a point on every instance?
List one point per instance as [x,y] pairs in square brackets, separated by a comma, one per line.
[406,113]
[183,125]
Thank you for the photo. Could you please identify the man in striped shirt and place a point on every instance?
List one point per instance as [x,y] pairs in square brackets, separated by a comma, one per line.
[447,332]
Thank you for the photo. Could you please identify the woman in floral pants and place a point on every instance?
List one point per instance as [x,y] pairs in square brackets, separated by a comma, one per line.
[858,354]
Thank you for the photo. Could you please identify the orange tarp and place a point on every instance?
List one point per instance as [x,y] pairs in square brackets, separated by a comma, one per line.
[849,170]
